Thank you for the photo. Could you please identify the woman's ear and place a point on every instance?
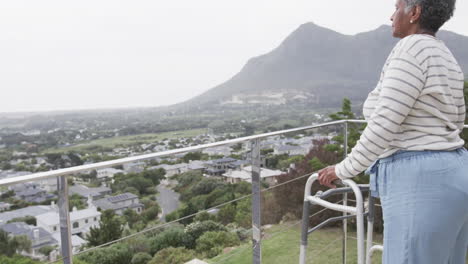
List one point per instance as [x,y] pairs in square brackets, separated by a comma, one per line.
[415,13]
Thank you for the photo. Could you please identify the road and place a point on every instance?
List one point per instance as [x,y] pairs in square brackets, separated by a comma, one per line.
[167,199]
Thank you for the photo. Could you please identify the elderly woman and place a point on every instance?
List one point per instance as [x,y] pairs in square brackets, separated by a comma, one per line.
[411,144]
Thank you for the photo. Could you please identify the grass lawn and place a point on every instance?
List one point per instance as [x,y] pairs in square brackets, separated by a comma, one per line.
[281,245]
[128,140]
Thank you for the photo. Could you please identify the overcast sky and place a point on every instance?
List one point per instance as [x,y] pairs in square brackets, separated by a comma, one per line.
[110,53]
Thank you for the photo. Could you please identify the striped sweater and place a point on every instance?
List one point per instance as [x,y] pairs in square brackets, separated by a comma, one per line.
[417,105]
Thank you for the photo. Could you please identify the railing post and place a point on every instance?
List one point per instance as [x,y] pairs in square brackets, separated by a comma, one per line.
[65,231]
[345,199]
[256,204]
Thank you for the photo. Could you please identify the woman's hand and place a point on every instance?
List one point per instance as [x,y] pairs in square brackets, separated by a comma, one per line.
[327,176]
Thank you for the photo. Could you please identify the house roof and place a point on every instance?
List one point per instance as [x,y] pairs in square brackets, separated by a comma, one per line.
[52,218]
[21,228]
[86,191]
[30,210]
[112,202]
[121,197]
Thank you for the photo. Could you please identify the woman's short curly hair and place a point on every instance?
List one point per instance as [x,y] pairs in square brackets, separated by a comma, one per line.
[434,13]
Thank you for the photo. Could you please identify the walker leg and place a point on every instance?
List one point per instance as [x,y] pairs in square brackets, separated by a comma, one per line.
[370,228]
[304,232]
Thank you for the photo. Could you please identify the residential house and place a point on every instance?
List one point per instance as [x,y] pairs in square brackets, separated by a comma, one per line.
[219,166]
[134,167]
[107,173]
[85,192]
[49,184]
[4,206]
[38,236]
[23,212]
[196,165]
[221,150]
[31,192]
[81,221]
[120,203]
[290,150]
[245,174]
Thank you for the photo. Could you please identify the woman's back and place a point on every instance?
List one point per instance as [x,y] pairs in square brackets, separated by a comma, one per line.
[434,95]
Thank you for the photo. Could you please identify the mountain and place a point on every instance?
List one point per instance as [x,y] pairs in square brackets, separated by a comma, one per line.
[315,66]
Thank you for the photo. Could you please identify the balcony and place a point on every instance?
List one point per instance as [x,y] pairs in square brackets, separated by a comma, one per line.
[69,225]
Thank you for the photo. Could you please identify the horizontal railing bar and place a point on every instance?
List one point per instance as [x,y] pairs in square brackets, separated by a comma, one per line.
[110,163]
[330,192]
[330,220]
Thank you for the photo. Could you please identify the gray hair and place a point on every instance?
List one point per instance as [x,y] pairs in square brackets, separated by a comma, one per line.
[434,13]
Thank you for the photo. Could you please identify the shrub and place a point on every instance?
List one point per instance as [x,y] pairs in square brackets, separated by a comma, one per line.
[141,258]
[211,244]
[197,229]
[172,255]
[173,237]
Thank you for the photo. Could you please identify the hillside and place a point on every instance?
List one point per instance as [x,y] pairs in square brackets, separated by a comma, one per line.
[314,66]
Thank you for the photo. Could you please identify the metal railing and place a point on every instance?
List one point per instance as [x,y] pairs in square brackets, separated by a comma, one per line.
[62,174]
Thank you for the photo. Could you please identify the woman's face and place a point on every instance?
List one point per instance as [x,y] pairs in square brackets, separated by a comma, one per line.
[401,20]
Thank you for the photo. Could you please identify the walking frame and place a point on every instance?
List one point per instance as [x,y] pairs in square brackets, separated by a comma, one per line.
[357,212]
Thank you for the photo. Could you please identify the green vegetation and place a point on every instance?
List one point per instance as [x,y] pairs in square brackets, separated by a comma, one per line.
[109,229]
[17,259]
[173,256]
[9,245]
[30,220]
[282,246]
[124,141]
[199,193]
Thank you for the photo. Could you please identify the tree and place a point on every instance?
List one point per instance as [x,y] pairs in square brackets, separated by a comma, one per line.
[45,250]
[109,229]
[30,220]
[172,237]
[354,130]
[131,217]
[154,175]
[150,214]
[173,255]
[227,214]
[212,243]
[10,245]
[192,156]
[116,254]
[316,164]
[197,229]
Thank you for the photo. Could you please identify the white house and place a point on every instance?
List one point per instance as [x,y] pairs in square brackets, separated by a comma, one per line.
[221,150]
[290,150]
[134,167]
[245,174]
[107,173]
[81,221]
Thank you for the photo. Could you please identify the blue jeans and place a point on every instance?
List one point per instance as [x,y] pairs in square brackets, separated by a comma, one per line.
[424,196]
